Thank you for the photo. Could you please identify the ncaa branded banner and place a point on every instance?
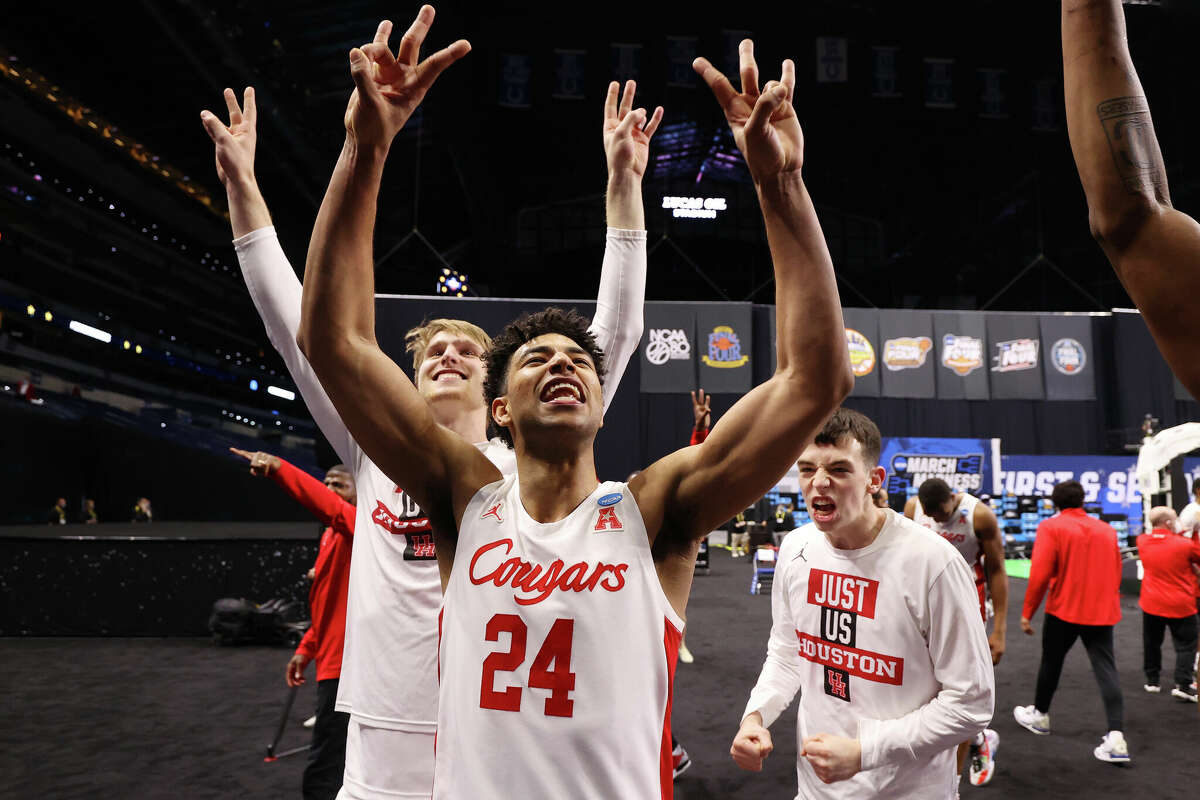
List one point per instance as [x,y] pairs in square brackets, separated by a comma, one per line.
[862,338]
[968,465]
[668,350]
[907,355]
[724,347]
[1068,366]
[515,72]
[1015,357]
[962,355]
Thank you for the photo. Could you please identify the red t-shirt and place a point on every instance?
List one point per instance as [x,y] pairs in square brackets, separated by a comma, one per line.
[1078,559]
[1168,585]
[325,638]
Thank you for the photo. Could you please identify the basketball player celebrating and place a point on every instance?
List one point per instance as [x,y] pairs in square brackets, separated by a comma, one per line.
[389,669]
[1154,248]
[971,527]
[564,595]
[875,621]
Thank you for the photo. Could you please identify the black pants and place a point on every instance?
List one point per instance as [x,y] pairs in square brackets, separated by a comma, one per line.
[327,758]
[1057,638]
[1183,636]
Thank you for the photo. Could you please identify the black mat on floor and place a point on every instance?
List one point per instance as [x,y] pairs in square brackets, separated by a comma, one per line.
[183,718]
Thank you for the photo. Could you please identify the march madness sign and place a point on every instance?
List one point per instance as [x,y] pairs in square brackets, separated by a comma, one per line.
[967,465]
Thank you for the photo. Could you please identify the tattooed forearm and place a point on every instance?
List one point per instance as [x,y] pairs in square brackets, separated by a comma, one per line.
[1134,147]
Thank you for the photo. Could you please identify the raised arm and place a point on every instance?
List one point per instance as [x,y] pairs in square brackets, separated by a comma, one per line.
[617,324]
[1154,249]
[269,276]
[991,541]
[374,397]
[757,440]
[321,501]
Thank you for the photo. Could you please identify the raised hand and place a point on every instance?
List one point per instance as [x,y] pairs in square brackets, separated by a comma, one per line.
[260,463]
[764,124]
[388,88]
[236,141]
[702,409]
[627,133]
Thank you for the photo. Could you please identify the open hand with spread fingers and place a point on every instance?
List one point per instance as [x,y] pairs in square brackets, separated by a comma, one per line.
[260,463]
[389,87]
[763,122]
[627,132]
[236,141]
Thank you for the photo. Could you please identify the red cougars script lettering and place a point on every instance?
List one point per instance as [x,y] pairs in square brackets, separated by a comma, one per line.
[843,592]
[539,582]
[860,663]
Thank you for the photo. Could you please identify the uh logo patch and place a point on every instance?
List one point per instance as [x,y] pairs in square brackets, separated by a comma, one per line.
[606,513]
[843,599]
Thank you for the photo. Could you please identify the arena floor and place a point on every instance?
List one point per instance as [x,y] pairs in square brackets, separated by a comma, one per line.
[182,718]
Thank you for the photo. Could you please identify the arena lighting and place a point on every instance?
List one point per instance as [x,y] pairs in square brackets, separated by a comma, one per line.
[452,282]
[88,330]
[125,344]
[137,349]
[284,393]
[48,317]
[30,310]
[253,385]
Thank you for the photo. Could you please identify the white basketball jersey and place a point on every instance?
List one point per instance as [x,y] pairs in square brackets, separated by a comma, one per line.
[389,664]
[959,531]
[557,654]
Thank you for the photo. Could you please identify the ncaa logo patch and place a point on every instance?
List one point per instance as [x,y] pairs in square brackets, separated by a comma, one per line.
[1068,356]
[609,500]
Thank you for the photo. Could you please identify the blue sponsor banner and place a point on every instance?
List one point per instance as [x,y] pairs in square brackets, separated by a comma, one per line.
[1106,480]
[968,465]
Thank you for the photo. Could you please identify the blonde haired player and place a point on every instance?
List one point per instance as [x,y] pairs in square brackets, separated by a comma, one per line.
[389,670]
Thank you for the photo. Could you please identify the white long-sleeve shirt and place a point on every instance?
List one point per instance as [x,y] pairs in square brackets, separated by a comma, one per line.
[886,646]
[389,666]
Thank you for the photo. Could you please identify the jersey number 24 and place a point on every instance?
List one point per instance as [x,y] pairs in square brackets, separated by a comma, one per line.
[551,668]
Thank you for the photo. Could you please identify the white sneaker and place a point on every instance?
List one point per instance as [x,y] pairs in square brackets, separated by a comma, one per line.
[1185,694]
[1152,688]
[311,721]
[1031,719]
[685,655]
[1113,748]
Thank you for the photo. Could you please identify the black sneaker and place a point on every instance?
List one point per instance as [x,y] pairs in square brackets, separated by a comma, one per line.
[680,761]
[1185,694]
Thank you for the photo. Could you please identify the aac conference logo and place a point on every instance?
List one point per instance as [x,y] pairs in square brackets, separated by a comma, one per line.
[862,354]
[1068,356]
[907,352]
[1015,354]
[963,354]
[666,344]
[724,349]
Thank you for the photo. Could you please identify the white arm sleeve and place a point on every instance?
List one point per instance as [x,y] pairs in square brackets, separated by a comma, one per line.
[780,677]
[617,324]
[962,664]
[275,290]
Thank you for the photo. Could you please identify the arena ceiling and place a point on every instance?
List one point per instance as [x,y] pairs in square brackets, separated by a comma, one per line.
[924,206]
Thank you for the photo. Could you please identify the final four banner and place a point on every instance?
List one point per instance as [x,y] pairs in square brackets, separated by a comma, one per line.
[908,354]
[1015,357]
[724,347]
[1068,362]
[962,363]
[862,339]
[968,465]
[668,348]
